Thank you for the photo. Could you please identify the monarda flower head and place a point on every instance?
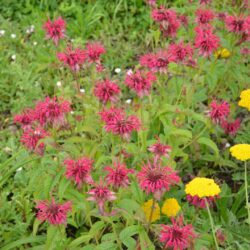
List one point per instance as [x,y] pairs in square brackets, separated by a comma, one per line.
[245,99]
[79,170]
[118,175]
[52,212]
[159,149]
[155,179]
[201,190]
[31,137]
[55,29]
[108,115]
[140,82]
[219,111]
[241,152]
[180,52]
[236,24]
[25,119]
[204,16]
[52,111]
[177,236]
[107,91]
[101,194]
[206,41]
[73,58]
[231,128]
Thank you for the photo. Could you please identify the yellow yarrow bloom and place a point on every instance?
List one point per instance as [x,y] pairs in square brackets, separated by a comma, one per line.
[170,207]
[241,151]
[222,53]
[245,99]
[147,208]
[202,187]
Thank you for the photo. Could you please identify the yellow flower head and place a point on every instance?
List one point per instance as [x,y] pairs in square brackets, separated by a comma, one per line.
[170,207]
[245,99]
[222,53]
[241,152]
[147,208]
[202,187]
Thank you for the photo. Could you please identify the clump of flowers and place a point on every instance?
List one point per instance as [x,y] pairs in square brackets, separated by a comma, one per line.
[241,152]
[140,82]
[204,16]
[25,119]
[72,58]
[107,91]
[201,190]
[79,170]
[170,207]
[151,210]
[52,212]
[31,139]
[177,236]
[245,99]
[222,53]
[219,111]
[155,179]
[118,175]
[55,30]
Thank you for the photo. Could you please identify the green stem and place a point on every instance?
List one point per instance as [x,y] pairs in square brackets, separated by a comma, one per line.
[246,190]
[212,225]
[151,214]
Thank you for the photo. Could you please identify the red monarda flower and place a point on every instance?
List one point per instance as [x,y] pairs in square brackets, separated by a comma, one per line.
[180,51]
[231,127]
[25,119]
[118,175]
[140,82]
[219,111]
[201,202]
[153,178]
[79,170]
[168,20]
[55,30]
[107,91]
[184,20]
[205,1]
[111,114]
[159,149]
[100,194]
[206,41]
[52,112]
[31,138]
[72,58]
[235,24]
[52,212]
[204,16]
[177,236]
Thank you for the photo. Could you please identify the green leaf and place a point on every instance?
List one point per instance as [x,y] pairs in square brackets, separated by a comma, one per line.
[125,236]
[208,142]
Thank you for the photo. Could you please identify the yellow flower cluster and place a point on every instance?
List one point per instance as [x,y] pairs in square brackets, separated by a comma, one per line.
[245,99]
[222,53]
[202,187]
[147,208]
[170,207]
[241,151]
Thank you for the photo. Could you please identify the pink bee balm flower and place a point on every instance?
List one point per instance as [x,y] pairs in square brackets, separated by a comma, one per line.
[206,41]
[118,176]
[219,111]
[245,51]
[148,60]
[235,24]
[169,23]
[184,20]
[201,202]
[107,91]
[111,114]
[159,149]
[31,138]
[205,2]
[204,16]
[140,82]
[72,58]
[55,30]
[123,125]
[153,178]
[79,171]
[25,119]
[52,212]
[180,51]
[52,112]
[177,236]
[231,127]
[100,194]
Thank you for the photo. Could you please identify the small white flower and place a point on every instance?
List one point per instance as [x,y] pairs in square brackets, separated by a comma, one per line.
[28,31]
[19,169]
[72,112]
[128,101]
[227,145]
[13,36]
[2,32]
[32,28]
[7,150]
[118,70]
[13,57]
[82,90]
[59,84]
[129,72]
[35,43]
